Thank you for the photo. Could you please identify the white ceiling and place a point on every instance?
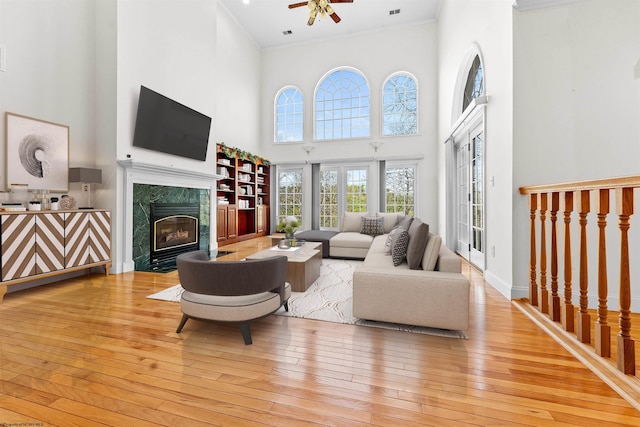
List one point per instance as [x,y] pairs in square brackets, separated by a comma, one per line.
[265,20]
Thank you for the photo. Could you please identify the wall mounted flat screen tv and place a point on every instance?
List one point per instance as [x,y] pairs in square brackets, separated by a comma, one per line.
[165,125]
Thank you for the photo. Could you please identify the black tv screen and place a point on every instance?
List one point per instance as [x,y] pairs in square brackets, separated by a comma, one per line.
[165,125]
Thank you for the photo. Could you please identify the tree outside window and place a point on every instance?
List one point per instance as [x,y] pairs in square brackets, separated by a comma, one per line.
[290,194]
[400,190]
[400,105]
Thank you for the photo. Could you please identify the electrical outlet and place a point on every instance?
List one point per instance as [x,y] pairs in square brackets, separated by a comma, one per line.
[85,187]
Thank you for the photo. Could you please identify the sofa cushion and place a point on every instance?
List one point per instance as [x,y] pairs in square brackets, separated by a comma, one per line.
[399,247]
[431,252]
[351,240]
[418,235]
[390,220]
[373,226]
[351,221]
[389,242]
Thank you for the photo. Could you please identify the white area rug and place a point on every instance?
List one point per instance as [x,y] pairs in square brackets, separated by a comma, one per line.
[328,299]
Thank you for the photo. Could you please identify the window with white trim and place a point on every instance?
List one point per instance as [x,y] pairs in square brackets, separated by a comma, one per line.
[290,193]
[342,106]
[474,86]
[289,115]
[342,189]
[400,181]
[400,105]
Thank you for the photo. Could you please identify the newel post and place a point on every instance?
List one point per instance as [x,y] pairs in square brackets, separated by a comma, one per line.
[583,331]
[567,312]
[533,286]
[602,330]
[625,350]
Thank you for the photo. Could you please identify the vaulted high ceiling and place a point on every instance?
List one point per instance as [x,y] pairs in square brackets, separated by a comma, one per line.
[266,20]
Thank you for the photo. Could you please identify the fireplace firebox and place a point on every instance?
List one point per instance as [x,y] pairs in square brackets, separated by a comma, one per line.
[175,229]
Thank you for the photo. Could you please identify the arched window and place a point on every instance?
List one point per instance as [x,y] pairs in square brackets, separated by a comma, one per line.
[342,105]
[400,105]
[289,112]
[475,83]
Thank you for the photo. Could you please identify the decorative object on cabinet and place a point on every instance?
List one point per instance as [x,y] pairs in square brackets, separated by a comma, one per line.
[86,176]
[67,202]
[37,153]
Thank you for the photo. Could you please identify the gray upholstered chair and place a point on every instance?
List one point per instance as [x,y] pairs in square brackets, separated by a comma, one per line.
[235,291]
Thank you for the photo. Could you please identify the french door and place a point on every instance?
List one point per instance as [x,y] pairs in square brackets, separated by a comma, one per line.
[470,230]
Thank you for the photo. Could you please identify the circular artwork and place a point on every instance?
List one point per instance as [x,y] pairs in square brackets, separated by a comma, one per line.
[33,155]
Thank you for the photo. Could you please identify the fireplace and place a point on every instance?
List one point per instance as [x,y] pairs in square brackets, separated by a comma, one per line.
[174,229]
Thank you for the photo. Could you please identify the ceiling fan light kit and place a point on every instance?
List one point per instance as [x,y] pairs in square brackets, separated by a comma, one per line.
[322,7]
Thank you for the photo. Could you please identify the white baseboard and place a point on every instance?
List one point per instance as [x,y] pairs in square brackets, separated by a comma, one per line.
[505,289]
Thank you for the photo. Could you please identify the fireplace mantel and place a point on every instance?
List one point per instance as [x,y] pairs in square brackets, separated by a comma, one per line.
[165,175]
[135,172]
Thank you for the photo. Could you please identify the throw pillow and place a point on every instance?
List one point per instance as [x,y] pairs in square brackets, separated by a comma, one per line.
[418,236]
[372,226]
[405,223]
[390,220]
[390,239]
[399,249]
[351,221]
[431,252]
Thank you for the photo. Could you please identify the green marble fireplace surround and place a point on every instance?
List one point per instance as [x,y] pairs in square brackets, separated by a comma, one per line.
[144,195]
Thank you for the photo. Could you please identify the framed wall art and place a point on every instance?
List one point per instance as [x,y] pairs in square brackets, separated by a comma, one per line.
[37,153]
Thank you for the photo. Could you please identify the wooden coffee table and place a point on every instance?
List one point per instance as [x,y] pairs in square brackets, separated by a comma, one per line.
[303,266]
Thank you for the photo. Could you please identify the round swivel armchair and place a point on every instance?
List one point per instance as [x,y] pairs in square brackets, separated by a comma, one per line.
[231,291]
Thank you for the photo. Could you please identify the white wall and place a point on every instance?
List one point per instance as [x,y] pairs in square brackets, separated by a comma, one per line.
[487,25]
[577,112]
[168,46]
[50,70]
[377,55]
[239,74]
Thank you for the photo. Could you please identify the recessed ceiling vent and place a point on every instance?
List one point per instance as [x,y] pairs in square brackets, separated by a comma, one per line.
[287,32]
[394,11]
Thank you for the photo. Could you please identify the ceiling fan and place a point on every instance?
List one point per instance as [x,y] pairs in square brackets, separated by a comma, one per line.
[322,7]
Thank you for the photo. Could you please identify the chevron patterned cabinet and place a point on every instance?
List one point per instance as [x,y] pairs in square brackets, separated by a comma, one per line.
[41,244]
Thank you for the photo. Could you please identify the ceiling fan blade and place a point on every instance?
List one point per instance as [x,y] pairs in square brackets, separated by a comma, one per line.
[340,1]
[294,5]
[335,17]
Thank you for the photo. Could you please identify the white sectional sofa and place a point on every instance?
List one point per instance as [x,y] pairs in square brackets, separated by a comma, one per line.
[427,291]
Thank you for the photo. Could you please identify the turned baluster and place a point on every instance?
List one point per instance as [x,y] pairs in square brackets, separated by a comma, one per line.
[543,300]
[554,298]
[602,330]
[583,331]
[625,349]
[533,287]
[567,311]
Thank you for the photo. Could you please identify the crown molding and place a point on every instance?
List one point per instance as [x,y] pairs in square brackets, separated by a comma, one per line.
[523,5]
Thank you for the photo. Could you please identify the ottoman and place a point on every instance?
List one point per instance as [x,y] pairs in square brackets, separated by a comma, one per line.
[322,236]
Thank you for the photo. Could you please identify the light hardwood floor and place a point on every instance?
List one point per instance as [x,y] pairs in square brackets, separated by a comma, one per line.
[95,351]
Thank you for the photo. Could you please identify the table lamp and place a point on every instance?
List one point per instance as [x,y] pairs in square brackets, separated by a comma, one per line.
[86,176]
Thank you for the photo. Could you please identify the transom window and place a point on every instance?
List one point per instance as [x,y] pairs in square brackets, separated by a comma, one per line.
[289,115]
[342,106]
[290,194]
[475,83]
[400,105]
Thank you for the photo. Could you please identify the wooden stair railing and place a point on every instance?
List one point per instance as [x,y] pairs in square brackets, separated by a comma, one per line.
[578,195]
